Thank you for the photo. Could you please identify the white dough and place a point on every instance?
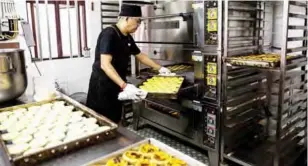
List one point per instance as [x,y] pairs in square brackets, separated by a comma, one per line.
[38,142]
[59,129]
[77,113]
[10,136]
[103,128]
[41,133]
[17,149]
[53,144]
[71,108]
[75,119]
[89,120]
[32,150]
[29,130]
[90,127]
[22,139]
[17,127]
[56,136]
[75,126]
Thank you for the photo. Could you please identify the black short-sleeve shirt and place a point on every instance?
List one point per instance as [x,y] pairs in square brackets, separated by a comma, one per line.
[120,47]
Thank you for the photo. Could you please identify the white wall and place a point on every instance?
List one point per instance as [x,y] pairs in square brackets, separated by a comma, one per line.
[72,74]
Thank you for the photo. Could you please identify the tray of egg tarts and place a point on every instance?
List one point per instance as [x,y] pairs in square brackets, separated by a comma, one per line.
[162,86]
[148,152]
[34,132]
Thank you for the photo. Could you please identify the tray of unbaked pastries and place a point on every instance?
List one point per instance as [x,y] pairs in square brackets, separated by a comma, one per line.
[148,152]
[39,131]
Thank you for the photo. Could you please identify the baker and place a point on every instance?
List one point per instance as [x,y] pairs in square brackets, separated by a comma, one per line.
[114,47]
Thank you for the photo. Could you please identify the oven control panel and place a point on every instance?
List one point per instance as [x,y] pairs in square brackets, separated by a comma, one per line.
[210,126]
[210,77]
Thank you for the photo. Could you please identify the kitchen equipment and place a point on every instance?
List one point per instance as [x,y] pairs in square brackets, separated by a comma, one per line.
[65,147]
[190,161]
[13,76]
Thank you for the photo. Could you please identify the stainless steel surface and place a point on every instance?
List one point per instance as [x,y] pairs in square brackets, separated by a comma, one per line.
[13,76]
[37,25]
[48,30]
[167,29]
[284,35]
[69,27]
[78,28]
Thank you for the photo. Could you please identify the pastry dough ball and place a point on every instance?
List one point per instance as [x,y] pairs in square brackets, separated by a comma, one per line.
[46,107]
[58,104]
[8,123]
[75,118]
[5,113]
[77,113]
[17,127]
[33,150]
[29,131]
[53,144]
[90,127]
[69,138]
[61,122]
[71,108]
[75,126]
[38,142]
[103,128]
[22,139]
[59,129]
[10,136]
[89,121]
[56,136]
[17,148]
[41,133]
[74,133]
[45,127]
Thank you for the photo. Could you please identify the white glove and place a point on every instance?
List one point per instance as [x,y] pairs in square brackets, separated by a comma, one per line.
[131,92]
[165,72]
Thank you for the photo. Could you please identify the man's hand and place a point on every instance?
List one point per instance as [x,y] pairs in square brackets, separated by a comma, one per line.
[165,72]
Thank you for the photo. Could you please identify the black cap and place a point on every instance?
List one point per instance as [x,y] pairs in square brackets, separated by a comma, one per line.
[130,11]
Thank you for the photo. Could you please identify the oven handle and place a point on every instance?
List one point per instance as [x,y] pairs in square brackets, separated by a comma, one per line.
[185,16]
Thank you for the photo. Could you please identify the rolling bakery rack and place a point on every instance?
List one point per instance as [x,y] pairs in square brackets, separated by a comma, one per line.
[263,107]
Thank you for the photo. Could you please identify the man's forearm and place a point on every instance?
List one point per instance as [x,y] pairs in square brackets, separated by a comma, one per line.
[144,59]
[112,74]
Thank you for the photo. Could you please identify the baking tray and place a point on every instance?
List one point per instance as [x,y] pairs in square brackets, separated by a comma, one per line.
[171,151]
[258,63]
[163,95]
[62,149]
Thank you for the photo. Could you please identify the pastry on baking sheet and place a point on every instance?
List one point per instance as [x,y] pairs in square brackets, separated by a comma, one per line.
[132,157]
[116,161]
[160,158]
[148,149]
[16,149]
[21,139]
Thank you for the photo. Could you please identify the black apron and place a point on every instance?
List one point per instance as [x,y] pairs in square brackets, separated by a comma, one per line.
[103,92]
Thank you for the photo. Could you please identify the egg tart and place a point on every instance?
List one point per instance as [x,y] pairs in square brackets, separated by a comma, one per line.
[116,161]
[176,162]
[160,158]
[148,149]
[132,157]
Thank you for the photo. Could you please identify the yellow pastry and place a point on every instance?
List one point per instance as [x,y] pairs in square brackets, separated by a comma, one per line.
[176,162]
[160,158]
[132,157]
[117,161]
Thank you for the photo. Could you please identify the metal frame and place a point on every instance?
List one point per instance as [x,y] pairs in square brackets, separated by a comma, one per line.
[281,140]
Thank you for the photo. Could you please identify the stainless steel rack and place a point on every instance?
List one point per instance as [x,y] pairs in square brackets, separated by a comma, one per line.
[264,111]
